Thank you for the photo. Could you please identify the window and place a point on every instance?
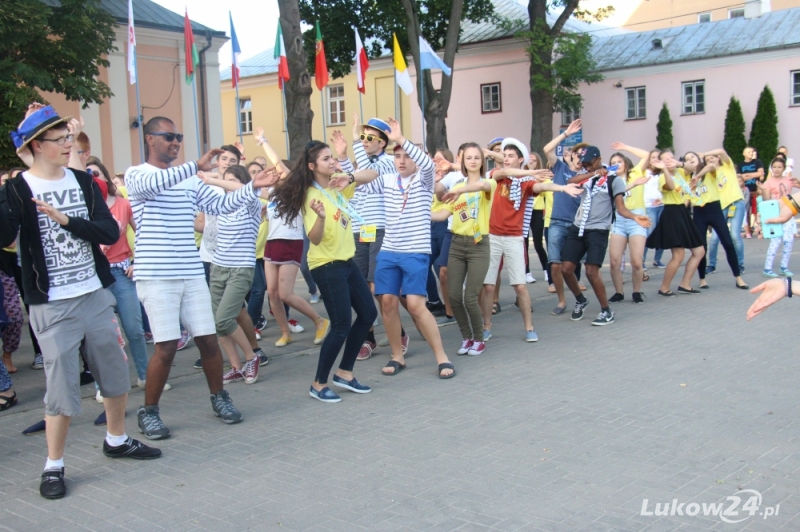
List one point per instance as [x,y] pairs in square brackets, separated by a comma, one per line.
[736,13]
[490,98]
[694,97]
[636,103]
[796,87]
[704,17]
[336,105]
[246,116]
[568,117]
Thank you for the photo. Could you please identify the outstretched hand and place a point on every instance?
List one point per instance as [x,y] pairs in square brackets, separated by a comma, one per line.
[75,126]
[451,196]
[573,128]
[318,207]
[772,291]
[339,182]
[356,126]
[572,189]
[339,144]
[204,162]
[395,133]
[618,146]
[51,212]
[265,178]
[641,181]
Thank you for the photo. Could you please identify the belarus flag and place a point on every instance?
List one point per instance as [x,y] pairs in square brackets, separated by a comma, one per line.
[362,64]
[236,51]
[280,55]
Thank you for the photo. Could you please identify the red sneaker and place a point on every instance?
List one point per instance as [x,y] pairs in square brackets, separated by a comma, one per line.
[466,345]
[366,350]
[232,376]
[477,348]
[250,371]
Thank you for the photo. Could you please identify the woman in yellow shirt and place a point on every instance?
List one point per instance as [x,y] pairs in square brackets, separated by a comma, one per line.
[326,216]
[675,229]
[708,178]
[470,203]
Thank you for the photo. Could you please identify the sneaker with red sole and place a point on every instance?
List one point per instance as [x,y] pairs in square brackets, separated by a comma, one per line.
[233,375]
[404,340]
[250,371]
[366,350]
[466,345]
[477,349]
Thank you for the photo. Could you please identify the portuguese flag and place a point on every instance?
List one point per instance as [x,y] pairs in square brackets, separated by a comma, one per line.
[321,71]
[191,56]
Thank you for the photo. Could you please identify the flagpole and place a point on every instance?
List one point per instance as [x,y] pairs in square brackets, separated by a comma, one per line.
[397,104]
[139,116]
[322,112]
[238,113]
[286,122]
[361,105]
[422,106]
[196,120]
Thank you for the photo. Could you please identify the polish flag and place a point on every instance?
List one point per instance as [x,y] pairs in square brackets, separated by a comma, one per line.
[362,64]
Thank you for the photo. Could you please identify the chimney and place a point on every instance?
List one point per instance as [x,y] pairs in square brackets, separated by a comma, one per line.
[756,8]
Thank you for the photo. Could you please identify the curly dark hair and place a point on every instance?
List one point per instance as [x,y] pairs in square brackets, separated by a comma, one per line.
[290,193]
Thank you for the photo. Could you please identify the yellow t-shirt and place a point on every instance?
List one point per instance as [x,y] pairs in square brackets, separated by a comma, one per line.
[539,202]
[705,191]
[337,239]
[464,218]
[263,232]
[670,197]
[728,184]
[634,198]
[548,205]
[437,205]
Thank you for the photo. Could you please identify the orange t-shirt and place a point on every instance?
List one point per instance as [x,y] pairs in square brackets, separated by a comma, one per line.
[505,220]
[122,213]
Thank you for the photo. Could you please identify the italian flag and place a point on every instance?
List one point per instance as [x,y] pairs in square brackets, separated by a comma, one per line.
[321,70]
[280,55]
[192,58]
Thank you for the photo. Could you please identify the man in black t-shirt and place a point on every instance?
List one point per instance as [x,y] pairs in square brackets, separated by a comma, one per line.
[751,170]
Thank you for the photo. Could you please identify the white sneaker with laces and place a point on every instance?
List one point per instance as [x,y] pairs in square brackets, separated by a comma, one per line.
[529,278]
[295,327]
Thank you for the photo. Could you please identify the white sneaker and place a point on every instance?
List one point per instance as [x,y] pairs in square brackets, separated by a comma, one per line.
[141,383]
[295,327]
[98,397]
[314,299]
[529,278]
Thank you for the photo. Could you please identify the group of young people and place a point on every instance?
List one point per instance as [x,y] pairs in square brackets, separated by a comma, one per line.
[212,236]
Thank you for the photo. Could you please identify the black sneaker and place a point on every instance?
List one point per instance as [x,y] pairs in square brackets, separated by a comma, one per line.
[131,449]
[638,297]
[616,298]
[86,378]
[577,312]
[261,323]
[604,318]
[198,364]
[150,423]
[263,360]
[223,408]
[52,485]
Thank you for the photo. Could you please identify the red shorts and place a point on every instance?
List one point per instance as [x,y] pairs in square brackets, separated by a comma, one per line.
[280,251]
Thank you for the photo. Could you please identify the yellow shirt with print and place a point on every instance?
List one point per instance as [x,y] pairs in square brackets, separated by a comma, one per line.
[670,197]
[706,189]
[337,239]
[263,232]
[728,185]
[634,198]
[463,218]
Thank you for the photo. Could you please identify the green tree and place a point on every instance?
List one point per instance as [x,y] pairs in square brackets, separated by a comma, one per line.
[438,21]
[50,49]
[733,141]
[664,138]
[764,133]
[559,62]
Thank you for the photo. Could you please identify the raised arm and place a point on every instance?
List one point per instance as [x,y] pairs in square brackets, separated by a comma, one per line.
[145,185]
[550,147]
[643,155]
[719,152]
[75,126]
[340,147]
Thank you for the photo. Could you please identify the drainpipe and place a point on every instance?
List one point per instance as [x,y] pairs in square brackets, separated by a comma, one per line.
[203,96]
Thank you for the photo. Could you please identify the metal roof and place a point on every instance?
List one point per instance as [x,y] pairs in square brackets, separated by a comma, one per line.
[146,14]
[471,33]
[771,31]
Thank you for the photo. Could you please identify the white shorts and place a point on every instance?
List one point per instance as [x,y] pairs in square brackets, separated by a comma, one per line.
[170,303]
[513,249]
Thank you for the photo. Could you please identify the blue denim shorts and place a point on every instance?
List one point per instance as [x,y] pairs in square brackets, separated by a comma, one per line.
[627,227]
[556,236]
[401,273]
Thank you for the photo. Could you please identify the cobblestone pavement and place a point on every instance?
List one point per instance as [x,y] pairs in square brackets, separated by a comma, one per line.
[681,399]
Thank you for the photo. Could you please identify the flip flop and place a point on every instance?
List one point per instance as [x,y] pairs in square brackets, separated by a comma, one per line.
[397,366]
[446,365]
[558,311]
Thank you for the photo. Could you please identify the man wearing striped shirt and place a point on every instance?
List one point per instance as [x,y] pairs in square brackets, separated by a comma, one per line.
[169,275]
[402,264]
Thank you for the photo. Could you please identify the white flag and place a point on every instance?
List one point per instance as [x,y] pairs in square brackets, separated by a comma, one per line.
[131,45]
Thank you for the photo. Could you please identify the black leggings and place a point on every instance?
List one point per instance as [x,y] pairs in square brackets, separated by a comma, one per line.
[537,231]
[711,215]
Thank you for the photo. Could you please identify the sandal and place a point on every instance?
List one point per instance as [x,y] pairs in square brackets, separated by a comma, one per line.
[496,308]
[446,365]
[396,366]
[7,402]
[645,277]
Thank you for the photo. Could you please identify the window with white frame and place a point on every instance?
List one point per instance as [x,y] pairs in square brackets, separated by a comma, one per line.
[491,101]
[336,115]
[637,103]
[796,87]
[736,13]
[568,117]
[703,17]
[694,97]
[246,115]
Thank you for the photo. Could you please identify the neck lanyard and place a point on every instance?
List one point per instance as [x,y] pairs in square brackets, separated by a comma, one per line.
[403,191]
[340,202]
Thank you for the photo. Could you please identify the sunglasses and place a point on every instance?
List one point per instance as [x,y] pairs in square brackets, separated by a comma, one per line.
[169,137]
[60,140]
[369,138]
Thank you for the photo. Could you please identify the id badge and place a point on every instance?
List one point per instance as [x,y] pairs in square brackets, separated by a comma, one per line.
[368,233]
[477,237]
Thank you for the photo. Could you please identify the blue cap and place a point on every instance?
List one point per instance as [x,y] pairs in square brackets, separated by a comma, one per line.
[589,154]
[36,124]
[496,140]
[380,125]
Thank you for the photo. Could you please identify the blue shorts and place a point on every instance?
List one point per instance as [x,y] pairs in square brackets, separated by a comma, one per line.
[628,228]
[401,273]
[556,236]
[444,252]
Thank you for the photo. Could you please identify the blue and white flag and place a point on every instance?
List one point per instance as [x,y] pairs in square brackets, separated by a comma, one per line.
[429,60]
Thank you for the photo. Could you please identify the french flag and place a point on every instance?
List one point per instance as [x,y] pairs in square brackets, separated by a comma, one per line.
[236,51]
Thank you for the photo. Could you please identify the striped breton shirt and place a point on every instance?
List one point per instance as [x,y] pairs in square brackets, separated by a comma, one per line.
[164,203]
[236,236]
[410,227]
[369,206]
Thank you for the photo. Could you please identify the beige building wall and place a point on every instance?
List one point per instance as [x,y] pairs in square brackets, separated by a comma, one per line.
[655,14]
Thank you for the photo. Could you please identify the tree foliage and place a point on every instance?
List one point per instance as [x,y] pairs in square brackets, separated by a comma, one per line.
[733,140]
[664,139]
[764,133]
[50,49]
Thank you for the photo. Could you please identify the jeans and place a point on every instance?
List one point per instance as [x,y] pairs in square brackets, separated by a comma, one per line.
[740,211]
[438,230]
[312,286]
[654,213]
[130,314]
[255,304]
[710,215]
[342,287]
